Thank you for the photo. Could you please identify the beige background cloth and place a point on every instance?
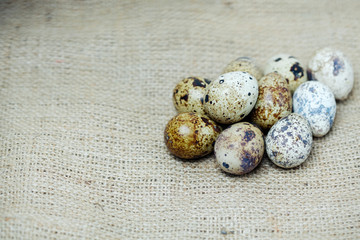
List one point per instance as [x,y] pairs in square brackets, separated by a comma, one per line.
[85,93]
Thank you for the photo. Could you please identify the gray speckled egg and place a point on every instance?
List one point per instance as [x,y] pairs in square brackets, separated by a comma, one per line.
[244,64]
[332,68]
[315,101]
[274,101]
[289,67]
[231,97]
[239,148]
[289,141]
[189,93]
[190,135]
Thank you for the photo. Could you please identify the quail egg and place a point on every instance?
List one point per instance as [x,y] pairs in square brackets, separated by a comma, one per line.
[274,101]
[332,68]
[191,135]
[244,64]
[231,97]
[315,101]
[289,67]
[188,95]
[289,141]
[239,148]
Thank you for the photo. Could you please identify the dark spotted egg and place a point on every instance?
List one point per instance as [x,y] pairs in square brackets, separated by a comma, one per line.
[191,135]
[315,101]
[239,148]
[274,101]
[289,141]
[231,97]
[332,68]
[188,95]
[244,64]
[289,67]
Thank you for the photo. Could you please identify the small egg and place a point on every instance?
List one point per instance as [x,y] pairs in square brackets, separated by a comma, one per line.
[191,135]
[188,95]
[244,64]
[332,68]
[239,148]
[289,141]
[315,101]
[274,101]
[289,67]
[231,97]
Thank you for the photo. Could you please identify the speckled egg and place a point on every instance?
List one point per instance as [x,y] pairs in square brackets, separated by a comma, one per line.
[244,64]
[274,101]
[332,68]
[289,67]
[188,95]
[289,141]
[239,148]
[191,135]
[231,97]
[315,101]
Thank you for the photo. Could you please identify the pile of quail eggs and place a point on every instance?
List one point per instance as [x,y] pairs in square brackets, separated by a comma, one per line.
[249,103]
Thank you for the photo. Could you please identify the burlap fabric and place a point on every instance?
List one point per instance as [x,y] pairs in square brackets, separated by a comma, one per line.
[85,93]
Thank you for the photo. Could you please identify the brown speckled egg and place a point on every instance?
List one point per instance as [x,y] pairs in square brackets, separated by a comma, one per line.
[244,64]
[188,95]
[289,67]
[231,97]
[274,101]
[191,135]
[239,148]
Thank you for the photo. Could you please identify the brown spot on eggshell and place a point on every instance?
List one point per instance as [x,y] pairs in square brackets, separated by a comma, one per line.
[249,135]
[338,66]
[198,82]
[206,98]
[185,97]
[297,70]
[206,120]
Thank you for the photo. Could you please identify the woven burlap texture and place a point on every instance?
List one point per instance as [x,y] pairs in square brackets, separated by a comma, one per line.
[85,94]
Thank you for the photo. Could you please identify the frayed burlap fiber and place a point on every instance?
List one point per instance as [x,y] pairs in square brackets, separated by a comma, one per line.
[86,92]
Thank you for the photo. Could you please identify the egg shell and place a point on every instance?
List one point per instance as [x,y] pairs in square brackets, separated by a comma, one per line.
[289,67]
[274,101]
[188,95]
[239,148]
[331,67]
[244,64]
[289,141]
[231,97]
[191,135]
[315,101]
